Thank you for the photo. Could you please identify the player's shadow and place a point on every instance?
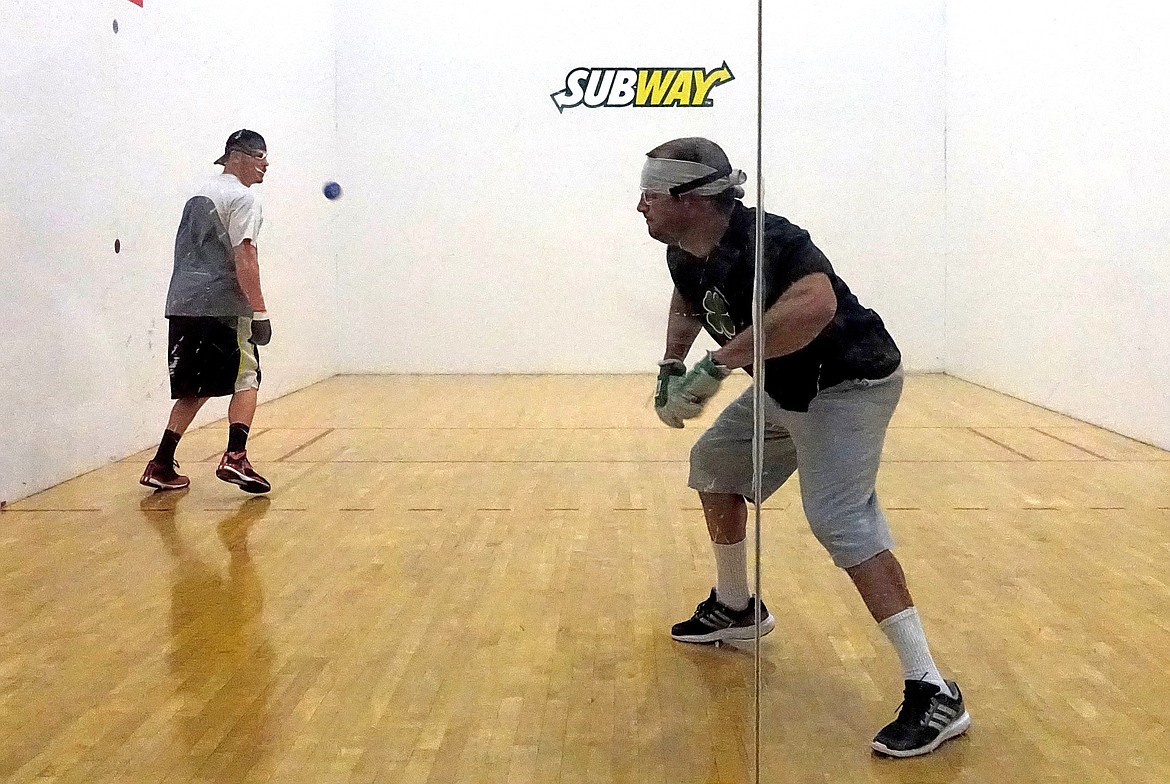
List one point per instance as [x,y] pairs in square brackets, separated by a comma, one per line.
[220,658]
[727,676]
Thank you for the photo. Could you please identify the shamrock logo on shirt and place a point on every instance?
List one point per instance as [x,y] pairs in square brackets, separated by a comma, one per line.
[717,316]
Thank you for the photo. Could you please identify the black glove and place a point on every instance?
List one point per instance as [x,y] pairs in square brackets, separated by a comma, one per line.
[261,329]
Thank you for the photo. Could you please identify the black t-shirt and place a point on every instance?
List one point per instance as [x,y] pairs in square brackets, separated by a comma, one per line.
[854,345]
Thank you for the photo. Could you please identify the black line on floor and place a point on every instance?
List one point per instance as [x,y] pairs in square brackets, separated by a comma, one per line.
[334,461]
[9,510]
[492,462]
[762,508]
[462,429]
[270,509]
[1070,443]
[1003,445]
[305,445]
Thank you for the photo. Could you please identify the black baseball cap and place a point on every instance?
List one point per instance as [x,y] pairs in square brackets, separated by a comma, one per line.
[245,140]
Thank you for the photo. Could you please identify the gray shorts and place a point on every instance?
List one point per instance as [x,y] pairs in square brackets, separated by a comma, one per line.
[837,444]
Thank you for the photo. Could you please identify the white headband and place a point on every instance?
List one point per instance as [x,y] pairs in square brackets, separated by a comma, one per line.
[664,175]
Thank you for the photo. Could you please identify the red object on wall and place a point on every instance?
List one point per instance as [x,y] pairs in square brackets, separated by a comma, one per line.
[137,3]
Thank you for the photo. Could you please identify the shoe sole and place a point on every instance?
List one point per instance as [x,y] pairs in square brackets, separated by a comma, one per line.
[767,624]
[242,482]
[954,730]
[160,485]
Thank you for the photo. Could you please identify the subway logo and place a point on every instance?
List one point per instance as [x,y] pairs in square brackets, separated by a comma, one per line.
[661,87]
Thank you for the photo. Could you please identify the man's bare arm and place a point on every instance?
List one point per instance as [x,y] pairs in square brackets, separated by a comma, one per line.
[248,274]
[793,321]
[682,327]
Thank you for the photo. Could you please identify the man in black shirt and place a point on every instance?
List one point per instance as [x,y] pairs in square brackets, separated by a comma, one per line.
[832,380]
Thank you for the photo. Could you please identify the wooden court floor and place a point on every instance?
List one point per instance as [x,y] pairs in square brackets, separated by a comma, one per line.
[472,580]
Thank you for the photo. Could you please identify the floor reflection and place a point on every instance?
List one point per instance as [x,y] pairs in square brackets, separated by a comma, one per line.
[220,658]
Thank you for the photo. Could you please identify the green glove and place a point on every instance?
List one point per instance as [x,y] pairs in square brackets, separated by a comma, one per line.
[702,382]
[671,406]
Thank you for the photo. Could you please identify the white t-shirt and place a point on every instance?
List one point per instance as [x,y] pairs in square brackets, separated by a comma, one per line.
[221,214]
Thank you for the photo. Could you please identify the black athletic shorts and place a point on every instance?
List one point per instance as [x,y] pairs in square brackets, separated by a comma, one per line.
[211,357]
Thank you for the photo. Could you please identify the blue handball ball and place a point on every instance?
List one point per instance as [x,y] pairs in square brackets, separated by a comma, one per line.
[331,190]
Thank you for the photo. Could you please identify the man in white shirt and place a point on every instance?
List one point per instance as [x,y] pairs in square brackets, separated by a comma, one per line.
[217,314]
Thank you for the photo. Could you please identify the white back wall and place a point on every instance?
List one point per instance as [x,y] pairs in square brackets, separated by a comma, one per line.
[1058,176]
[854,150]
[103,135]
[1015,152]
[490,233]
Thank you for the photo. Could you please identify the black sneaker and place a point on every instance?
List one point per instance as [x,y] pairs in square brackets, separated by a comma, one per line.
[926,719]
[713,622]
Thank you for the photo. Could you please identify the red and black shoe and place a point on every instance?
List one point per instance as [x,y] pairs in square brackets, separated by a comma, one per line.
[163,477]
[235,468]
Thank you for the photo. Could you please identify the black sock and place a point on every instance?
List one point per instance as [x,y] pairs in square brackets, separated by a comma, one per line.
[237,437]
[166,449]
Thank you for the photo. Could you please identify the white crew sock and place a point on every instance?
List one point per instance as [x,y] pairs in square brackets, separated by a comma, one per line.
[905,631]
[731,567]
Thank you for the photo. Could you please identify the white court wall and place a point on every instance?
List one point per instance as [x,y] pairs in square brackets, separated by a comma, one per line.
[854,151]
[102,136]
[992,189]
[486,232]
[1058,175]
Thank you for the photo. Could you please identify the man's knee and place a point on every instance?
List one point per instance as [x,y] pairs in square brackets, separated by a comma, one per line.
[851,537]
